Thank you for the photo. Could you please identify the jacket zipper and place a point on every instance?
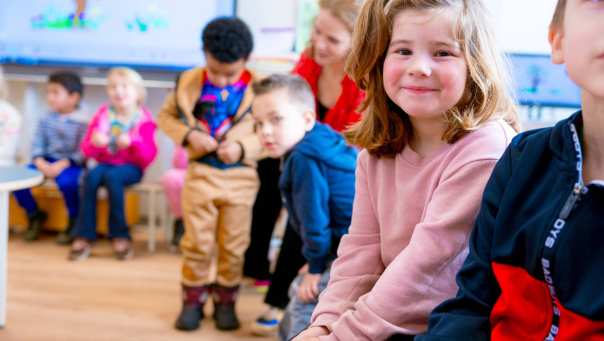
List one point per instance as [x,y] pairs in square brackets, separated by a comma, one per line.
[550,241]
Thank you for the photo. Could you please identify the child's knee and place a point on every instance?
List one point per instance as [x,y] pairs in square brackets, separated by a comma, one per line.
[172,180]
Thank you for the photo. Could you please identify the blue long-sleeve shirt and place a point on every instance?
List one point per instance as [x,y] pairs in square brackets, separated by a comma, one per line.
[58,136]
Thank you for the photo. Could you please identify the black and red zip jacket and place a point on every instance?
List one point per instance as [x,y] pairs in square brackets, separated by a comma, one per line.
[535,270]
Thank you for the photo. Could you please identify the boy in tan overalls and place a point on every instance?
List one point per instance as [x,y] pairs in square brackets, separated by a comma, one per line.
[208,113]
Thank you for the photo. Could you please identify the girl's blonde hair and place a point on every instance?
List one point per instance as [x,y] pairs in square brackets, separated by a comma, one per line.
[385,128]
[3,86]
[346,11]
[558,18]
[133,78]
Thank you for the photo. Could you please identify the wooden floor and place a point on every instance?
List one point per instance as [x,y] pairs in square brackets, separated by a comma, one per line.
[101,298]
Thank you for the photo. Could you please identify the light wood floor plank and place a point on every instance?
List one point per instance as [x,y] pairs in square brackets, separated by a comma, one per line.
[102,299]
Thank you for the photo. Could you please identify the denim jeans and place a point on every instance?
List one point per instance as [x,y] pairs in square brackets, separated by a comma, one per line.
[297,314]
[67,181]
[115,179]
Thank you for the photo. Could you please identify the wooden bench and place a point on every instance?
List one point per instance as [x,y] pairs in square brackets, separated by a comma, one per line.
[50,200]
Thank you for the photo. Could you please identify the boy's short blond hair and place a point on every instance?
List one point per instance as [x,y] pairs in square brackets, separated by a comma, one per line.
[558,18]
[297,89]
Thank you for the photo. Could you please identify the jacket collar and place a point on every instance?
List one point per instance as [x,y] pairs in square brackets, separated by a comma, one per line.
[565,144]
[188,90]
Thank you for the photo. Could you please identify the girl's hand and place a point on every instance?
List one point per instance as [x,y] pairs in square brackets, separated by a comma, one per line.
[308,291]
[123,141]
[100,140]
[229,152]
[311,334]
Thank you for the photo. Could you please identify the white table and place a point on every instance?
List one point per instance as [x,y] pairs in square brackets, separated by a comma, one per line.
[11,178]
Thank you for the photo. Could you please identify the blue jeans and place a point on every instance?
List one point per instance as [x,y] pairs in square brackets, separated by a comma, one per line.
[67,181]
[297,314]
[115,179]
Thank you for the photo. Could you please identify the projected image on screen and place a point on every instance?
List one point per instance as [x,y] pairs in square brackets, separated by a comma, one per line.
[147,33]
[539,82]
[53,18]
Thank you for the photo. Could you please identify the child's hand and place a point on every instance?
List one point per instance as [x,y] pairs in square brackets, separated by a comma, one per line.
[123,141]
[229,152]
[303,269]
[311,334]
[308,291]
[42,166]
[57,167]
[100,140]
[201,142]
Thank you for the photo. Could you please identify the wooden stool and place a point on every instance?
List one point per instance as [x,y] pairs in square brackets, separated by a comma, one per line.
[154,193]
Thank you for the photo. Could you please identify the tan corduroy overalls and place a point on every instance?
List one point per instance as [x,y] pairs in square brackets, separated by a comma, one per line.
[217,203]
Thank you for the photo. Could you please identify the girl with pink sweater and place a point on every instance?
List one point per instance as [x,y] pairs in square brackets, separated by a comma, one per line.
[121,138]
[172,181]
[437,117]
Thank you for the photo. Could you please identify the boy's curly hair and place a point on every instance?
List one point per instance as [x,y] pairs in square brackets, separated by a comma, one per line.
[227,39]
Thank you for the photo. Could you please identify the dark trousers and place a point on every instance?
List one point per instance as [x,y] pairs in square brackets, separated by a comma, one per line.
[264,216]
[67,181]
[115,179]
[289,262]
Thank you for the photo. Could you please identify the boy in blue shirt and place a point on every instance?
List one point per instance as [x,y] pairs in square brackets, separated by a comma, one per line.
[56,151]
[534,271]
[317,183]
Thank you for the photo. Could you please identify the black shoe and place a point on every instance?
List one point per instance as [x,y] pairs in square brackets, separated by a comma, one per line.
[224,307]
[191,314]
[64,237]
[225,316]
[35,225]
[179,231]
[189,318]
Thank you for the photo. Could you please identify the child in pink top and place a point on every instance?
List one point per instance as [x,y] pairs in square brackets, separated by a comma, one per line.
[172,181]
[436,119]
[121,138]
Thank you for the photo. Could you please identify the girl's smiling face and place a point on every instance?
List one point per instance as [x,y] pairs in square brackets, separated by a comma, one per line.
[424,70]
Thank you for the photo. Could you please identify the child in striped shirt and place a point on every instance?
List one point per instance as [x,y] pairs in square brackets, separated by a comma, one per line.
[56,152]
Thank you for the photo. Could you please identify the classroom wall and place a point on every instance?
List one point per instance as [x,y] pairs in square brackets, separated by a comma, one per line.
[522,25]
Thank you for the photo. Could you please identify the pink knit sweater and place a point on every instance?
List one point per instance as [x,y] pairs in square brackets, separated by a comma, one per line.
[408,236]
[142,149]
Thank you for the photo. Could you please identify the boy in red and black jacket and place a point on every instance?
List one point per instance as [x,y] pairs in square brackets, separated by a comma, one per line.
[534,271]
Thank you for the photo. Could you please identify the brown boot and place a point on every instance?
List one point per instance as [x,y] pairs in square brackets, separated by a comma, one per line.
[193,300]
[224,307]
